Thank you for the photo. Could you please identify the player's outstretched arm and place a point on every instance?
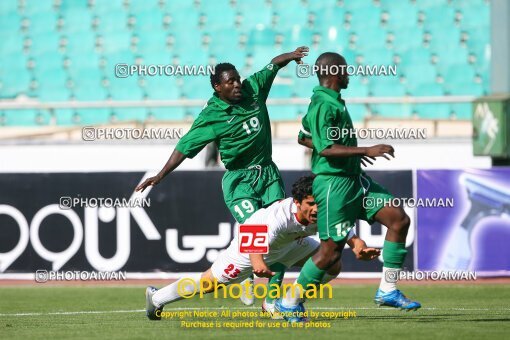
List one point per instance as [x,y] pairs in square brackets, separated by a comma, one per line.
[360,249]
[380,150]
[283,59]
[260,267]
[173,162]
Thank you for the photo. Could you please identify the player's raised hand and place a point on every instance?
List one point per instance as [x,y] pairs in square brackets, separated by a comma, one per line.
[380,150]
[367,254]
[263,271]
[148,182]
[299,53]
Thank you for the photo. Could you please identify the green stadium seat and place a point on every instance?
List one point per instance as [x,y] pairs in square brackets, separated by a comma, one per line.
[439,39]
[87,117]
[392,110]
[83,61]
[416,73]
[236,57]
[26,117]
[152,42]
[357,111]
[47,42]
[115,21]
[10,25]
[356,89]
[218,15]
[450,55]
[167,113]
[250,18]
[370,37]
[401,17]
[460,74]
[462,110]
[183,21]
[288,19]
[125,88]
[432,111]
[281,91]
[87,85]
[224,41]
[196,88]
[427,89]
[66,117]
[475,16]
[15,82]
[369,17]
[439,17]
[407,40]
[388,86]
[149,21]
[145,5]
[322,6]
[8,7]
[37,6]
[76,20]
[298,36]
[162,88]
[80,42]
[52,85]
[284,112]
[187,42]
[138,114]
[468,88]
[43,22]
[115,41]
[109,7]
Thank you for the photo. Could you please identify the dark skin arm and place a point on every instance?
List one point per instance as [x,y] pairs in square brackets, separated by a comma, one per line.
[173,162]
[283,59]
[365,157]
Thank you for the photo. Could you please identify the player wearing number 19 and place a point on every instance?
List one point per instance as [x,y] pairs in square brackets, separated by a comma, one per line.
[237,120]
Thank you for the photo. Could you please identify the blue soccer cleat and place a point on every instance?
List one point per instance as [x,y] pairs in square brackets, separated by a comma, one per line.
[395,299]
[291,314]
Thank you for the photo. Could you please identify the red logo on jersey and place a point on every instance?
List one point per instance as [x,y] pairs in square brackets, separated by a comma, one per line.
[253,239]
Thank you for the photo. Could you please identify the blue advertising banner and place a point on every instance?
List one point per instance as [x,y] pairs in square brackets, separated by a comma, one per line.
[474,233]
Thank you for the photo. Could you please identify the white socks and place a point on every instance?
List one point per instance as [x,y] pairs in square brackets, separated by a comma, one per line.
[389,279]
[173,292]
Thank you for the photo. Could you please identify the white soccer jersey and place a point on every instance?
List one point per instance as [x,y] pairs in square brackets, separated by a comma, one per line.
[289,242]
[283,225]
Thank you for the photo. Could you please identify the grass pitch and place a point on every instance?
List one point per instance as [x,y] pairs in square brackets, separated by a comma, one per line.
[449,312]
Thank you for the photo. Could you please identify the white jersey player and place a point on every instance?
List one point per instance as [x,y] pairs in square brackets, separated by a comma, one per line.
[290,224]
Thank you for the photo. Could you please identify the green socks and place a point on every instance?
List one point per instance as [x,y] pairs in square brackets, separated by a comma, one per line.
[394,254]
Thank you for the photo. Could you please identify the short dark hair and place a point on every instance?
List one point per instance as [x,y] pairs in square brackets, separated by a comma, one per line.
[218,70]
[302,188]
[326,60]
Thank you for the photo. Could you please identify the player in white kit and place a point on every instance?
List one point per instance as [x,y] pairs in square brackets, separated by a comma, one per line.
[290,223]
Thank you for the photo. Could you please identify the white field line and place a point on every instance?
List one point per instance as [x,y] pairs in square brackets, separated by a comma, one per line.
[250,308]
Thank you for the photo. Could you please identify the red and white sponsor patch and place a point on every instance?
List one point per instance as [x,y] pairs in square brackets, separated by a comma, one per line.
[253,239]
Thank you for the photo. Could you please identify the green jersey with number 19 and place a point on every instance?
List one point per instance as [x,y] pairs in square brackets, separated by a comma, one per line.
[242,131]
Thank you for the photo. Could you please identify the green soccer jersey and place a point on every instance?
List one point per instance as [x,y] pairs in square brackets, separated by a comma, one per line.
[241,131]
[328,122]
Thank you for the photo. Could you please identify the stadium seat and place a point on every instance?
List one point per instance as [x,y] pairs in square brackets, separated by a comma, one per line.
[76,20]
[94,116]
[148,20]
[388,86]
[138,114]
[283,112]
[80,42]
[461,110]
[47,42]
[392,110]
[196,88]
[167,113]
[432,111]
[357,111]
[162,88]
[401,17]
[26,117]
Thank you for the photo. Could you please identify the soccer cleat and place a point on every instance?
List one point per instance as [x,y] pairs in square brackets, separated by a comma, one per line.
[150,308]
[291,314]
[270,308]
[247,293]
[395,299]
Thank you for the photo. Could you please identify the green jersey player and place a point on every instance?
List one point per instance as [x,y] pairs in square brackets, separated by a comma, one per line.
[343,192]
[237,120]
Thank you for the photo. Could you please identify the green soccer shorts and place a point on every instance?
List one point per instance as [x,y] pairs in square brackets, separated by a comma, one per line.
[247,190]
[341,200]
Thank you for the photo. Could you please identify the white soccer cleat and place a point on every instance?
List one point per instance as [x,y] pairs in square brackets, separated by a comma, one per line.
[247,292]
[269,308]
